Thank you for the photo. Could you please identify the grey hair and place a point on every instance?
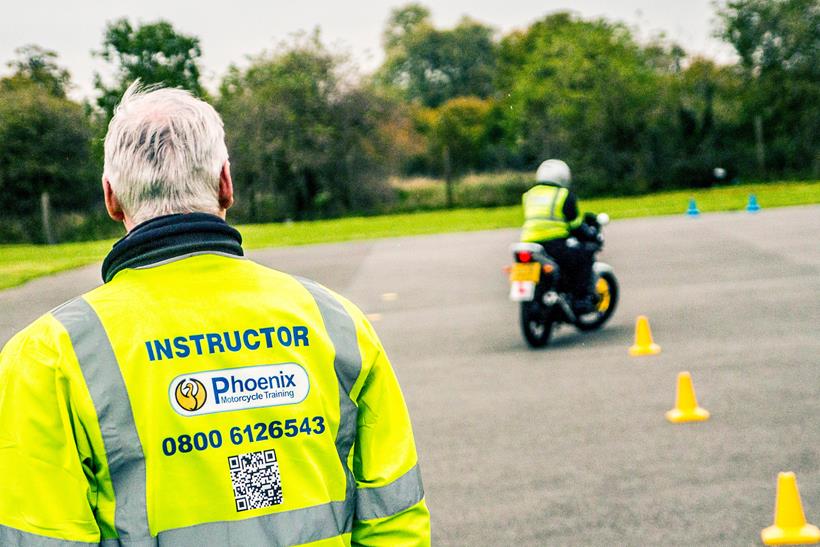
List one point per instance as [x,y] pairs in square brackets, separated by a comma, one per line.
[164,152]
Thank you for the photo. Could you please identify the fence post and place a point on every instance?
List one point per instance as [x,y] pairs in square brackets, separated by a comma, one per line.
[760,149]
[45,207]
[448,176]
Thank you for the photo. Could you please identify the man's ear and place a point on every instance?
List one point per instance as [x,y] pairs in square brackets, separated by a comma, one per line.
[112,205]
[225,187]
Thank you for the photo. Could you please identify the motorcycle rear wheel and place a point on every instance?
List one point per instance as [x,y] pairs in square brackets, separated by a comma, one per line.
[536,326]
[607,288]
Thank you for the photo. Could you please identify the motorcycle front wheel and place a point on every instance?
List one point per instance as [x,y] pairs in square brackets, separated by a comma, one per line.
[607,289]
[536,326]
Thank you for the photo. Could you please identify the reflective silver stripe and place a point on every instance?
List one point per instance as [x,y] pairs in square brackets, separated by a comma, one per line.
[543,218]
[183,257]
[554,202]
[12,537]
[289,528]
[342,332]
[348,366]
[123,450]
[385,501]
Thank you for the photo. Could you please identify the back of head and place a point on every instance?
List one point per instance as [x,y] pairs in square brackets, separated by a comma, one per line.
[164,152]
[554,172]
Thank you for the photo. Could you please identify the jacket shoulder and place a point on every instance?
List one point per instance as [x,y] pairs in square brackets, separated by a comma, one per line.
[366,334]
[43,341]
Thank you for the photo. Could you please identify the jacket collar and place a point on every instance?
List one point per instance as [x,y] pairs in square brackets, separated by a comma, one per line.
[171,236]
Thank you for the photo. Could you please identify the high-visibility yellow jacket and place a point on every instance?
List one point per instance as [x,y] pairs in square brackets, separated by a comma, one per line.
[550,212]
[205,400]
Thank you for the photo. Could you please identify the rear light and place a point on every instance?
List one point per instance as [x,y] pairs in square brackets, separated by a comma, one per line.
[548,268]
[524,256]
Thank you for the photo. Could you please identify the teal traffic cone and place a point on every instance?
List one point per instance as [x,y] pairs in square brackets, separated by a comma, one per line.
[753,206]
[692,211]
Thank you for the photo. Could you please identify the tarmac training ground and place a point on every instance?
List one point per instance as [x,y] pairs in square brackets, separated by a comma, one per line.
[569,445]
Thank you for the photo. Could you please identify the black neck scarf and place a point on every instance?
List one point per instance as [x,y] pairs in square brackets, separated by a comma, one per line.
[169,237]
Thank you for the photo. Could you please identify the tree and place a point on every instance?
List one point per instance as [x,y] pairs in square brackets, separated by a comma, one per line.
[703,127]
[301,137]
[36,65]
[583,91]
[156,53]
[403,23]
[44,153]
[774,35]
[459,134]
[778,42]
[432,66]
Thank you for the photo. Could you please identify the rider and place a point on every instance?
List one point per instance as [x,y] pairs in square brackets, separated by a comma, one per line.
[551,218]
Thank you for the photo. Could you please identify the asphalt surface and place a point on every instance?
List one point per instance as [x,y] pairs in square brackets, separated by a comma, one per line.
[568,445]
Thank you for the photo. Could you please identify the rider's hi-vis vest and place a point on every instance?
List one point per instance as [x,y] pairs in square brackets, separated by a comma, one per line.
[543,213]
[202,401]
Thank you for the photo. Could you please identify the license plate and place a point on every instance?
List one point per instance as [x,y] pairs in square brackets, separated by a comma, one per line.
[526,272]
[522,291]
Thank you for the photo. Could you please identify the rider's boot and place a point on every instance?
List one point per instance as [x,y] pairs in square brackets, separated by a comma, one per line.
[586,302]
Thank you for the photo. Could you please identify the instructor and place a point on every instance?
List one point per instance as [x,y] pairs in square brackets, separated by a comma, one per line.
[197,398]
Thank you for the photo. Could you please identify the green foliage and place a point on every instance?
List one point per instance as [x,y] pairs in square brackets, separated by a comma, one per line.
[44,147]
[156,53]
[458,133]
[403,23]
[778,42]
[631,118]
[432,66]
[311,138]
[459,136]
[774,35]
[484,190]
[300,138]
[704,128]
[582,91]
[36,65]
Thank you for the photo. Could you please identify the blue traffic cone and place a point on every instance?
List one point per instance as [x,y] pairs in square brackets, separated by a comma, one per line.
[753,206]
[692,211]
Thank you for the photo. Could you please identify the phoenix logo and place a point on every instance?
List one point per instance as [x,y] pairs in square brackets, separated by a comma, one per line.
[190,394]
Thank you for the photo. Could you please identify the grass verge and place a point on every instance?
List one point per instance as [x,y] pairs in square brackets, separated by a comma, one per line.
[20,263]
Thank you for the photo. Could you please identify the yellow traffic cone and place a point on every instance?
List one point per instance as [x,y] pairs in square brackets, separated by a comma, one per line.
[643,339]
[790,526]
[686,404]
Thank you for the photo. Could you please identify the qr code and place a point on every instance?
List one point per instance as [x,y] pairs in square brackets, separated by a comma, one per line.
[255,479]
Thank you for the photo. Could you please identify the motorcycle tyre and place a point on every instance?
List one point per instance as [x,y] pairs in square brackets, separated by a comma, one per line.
[530,313]
[603,317]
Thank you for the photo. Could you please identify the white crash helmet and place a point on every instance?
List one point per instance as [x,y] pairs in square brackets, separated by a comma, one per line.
[555,172]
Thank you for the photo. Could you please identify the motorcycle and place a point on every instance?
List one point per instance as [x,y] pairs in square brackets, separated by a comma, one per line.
[535,283]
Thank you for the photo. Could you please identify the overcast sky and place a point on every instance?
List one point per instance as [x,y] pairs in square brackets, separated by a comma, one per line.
[231,31]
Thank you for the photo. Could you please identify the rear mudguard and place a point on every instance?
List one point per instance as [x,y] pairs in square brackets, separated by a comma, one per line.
[602,267]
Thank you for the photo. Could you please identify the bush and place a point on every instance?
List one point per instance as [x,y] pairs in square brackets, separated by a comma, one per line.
[68,226]
[485,190]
